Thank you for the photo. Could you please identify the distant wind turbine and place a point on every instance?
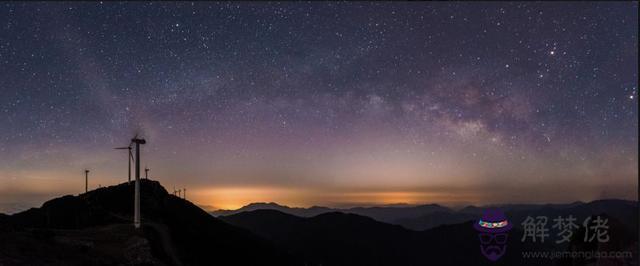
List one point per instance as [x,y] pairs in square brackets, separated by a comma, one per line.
[130,158]
[86,180]
[146,172]
[184,193]
[136,201]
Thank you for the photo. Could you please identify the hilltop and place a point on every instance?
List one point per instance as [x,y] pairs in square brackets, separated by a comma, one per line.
[95,228]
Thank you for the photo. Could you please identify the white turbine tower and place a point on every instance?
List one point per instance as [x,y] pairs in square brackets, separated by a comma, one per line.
[136,201]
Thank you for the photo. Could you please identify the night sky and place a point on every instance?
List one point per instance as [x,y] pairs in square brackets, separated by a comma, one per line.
[322,103]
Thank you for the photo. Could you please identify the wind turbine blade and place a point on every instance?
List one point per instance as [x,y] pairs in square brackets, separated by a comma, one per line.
[122,148]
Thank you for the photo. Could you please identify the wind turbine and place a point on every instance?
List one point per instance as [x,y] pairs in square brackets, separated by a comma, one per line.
[146,172]
[184,193]
[130,158]
[136,201]
[86,180]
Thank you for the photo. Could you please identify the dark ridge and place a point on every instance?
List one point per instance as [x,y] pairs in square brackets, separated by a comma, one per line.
[337,238]
[175,231]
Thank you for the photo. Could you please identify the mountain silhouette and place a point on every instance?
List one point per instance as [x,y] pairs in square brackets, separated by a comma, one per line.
[389,214]
[330,238]
[348,239]
[435,219]
[302,212]
[424,217]
[95,228]
[621,239]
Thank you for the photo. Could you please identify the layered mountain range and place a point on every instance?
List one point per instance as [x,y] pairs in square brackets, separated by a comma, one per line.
[95,228]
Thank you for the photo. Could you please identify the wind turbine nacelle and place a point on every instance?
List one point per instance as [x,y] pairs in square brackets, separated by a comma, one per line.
[139,141]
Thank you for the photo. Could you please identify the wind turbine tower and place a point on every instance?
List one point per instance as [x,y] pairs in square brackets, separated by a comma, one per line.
[86,180]
[146,173]
[130,158]
[136,201]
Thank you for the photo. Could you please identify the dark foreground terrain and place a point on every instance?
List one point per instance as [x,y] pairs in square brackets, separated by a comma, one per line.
[95,229]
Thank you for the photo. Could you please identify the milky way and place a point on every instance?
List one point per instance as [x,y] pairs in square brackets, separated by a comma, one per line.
[322,103]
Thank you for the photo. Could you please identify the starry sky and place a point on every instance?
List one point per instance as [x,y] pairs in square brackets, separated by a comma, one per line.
[322,103]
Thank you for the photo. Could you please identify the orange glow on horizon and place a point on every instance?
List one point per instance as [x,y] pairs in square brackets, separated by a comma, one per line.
[235,197]
[231,198]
